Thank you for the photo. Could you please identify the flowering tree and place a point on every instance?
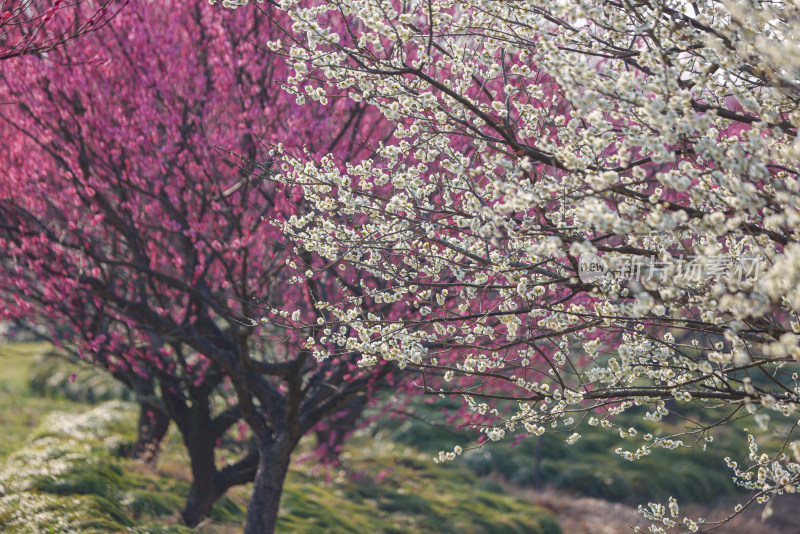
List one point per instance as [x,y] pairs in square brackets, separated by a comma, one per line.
[36,27]
[586,206]
[148,252]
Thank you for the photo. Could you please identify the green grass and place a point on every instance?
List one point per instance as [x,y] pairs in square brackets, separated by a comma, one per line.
[16,360]
[589,467]
[62,470]
[20,412]
[395,489]
[69,466]
[70,477]
[54,376]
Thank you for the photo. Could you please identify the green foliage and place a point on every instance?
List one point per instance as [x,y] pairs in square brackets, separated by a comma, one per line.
[67,475]
[227,510]
[589,467]
[74,457]
[149,502]
[395,489]
[70,475]
[70,479]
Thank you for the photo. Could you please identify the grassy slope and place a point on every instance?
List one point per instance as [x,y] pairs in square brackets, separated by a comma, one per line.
[19,412]
[61,471]
[590,467]
[413,494]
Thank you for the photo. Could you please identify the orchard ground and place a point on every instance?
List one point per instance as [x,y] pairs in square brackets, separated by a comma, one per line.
[63,469]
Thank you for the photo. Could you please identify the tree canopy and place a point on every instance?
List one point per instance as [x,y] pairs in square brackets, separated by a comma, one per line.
[557,211]
[588,207]
[34,27]
[143,246]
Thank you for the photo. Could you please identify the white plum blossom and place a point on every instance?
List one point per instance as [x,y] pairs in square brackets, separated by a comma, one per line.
[658,137]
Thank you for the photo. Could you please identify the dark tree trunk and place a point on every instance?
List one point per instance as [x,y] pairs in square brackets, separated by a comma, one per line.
[152,427]
[262,513]
[200,434]
[205,489]
[209,484]
[203,493]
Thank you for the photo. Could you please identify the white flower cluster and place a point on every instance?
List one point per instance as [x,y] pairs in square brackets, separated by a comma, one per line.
[529,134]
